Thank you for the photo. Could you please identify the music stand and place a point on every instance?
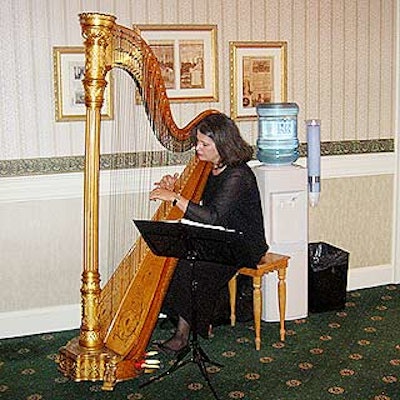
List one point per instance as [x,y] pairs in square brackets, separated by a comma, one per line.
[183,240]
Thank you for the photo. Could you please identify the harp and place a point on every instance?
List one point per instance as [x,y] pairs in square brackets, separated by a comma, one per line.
[114,334]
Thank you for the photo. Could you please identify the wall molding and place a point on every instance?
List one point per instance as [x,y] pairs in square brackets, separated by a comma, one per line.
[71,164]
[67,317]
[70,185]
[356,165]
[108,162]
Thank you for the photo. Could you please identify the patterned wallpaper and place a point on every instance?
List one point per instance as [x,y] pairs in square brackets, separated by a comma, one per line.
[341,69]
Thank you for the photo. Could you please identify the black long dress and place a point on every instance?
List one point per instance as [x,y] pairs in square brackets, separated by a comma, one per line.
[232,200]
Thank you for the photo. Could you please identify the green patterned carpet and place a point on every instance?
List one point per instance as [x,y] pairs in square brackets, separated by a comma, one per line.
[352,354]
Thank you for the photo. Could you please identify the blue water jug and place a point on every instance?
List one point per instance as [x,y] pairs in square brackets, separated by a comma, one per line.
[277,142]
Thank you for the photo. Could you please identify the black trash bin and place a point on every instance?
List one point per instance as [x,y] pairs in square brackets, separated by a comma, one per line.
[327,277]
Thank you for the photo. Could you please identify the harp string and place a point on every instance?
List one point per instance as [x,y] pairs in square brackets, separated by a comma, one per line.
[128,184]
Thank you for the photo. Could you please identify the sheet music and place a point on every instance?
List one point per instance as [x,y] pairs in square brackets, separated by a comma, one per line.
[181,238]
[200,224]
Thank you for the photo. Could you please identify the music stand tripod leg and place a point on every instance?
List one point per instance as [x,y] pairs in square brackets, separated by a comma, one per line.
[179,362]
[198,356]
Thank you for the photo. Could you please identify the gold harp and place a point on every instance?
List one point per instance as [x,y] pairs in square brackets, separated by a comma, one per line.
[114,334]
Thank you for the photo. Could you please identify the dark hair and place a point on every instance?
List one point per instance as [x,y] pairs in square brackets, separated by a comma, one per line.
[232,148]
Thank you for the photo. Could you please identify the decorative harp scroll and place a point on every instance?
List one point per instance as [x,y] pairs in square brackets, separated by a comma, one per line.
[114,334]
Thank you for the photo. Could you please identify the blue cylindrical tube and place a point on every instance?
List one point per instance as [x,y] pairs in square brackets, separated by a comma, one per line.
[314,159]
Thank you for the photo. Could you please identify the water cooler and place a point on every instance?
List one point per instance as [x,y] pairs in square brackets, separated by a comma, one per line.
[284,193]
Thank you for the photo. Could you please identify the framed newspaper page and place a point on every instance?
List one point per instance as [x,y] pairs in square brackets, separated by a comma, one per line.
[258,74]
[188,59]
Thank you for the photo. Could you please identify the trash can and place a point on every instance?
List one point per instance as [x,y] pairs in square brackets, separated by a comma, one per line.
[327,277]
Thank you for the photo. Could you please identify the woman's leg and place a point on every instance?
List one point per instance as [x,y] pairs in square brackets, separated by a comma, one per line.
[181,337]
[209,279]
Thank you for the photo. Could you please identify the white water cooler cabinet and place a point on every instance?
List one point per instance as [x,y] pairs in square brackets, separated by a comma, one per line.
[284,196]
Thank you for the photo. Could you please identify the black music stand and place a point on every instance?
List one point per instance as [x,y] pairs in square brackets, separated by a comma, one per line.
[182,240]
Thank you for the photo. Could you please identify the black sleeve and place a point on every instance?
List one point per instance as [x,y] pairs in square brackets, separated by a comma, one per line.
[222,202]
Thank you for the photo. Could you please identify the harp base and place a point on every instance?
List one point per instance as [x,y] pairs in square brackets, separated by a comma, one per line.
[81,364]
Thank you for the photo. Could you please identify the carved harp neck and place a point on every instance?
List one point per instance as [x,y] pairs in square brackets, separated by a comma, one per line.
[109,45]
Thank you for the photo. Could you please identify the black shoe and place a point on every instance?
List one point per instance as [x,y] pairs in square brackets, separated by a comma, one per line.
[163,348]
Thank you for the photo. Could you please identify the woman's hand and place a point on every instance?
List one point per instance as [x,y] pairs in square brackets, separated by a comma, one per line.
[164,191]
[167,182]
[160,193]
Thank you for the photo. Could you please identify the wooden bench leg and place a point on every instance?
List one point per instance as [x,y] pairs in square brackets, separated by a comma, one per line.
[257,310]
[282,301]
[232,284]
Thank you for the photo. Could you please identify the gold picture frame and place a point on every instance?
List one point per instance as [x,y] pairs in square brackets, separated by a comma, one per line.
[188,59]
[69,70]
[258,74]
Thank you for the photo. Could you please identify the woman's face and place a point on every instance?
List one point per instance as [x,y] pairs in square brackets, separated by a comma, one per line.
[206,149]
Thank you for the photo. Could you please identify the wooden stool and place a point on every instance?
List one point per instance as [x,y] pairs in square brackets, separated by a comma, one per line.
[269,263]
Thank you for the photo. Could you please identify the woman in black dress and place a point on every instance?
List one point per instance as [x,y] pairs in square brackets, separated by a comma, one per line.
[230,199]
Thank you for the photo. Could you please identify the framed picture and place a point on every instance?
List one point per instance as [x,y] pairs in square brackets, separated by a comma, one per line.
[69,70]
[188,59]
[258,75]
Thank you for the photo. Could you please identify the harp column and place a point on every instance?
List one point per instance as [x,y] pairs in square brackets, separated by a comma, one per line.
[96,29]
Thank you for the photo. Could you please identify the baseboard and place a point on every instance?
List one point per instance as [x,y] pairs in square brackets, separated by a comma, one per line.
[367,277]
[42,320]
[55,319]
